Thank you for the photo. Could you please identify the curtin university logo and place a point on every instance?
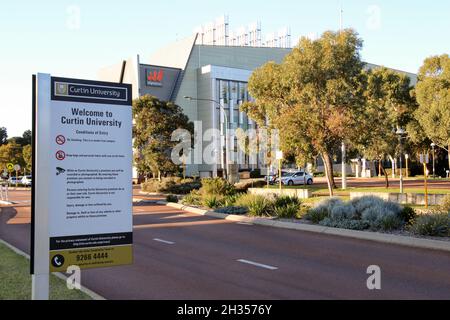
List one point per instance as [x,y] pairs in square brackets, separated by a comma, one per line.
[154,77]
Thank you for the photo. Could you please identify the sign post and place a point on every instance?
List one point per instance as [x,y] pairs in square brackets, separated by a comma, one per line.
[424,160]
[82,167]
[279,157]
[17,169]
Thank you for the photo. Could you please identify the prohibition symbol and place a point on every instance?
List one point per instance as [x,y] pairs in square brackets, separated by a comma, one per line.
[60,139]
[60,155]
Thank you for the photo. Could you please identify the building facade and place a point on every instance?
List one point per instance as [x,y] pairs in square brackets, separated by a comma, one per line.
[215,77]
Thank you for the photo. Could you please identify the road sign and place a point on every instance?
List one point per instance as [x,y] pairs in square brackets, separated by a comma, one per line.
[424,158]
[10,167]
[60,139]
[83,193]
[17,167]
[279,155]
[60,155]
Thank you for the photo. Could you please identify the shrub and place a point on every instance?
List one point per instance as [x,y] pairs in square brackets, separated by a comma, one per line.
[171,198]
[193,198]
[366,202]
[445,205]
[173,185]
[437,224]
[408,215]
[244,186]
[257,205]
[288,211]
[345,224]
[317,214]
[389,221]
[217,186]
[232,210]
[230,200]
[343,212]
[283,201]
[212,201]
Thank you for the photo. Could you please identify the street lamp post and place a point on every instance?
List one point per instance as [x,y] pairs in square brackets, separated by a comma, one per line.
[226,169]
[432,147]
[400,132]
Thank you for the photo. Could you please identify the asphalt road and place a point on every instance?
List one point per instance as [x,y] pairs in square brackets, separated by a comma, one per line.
[179,255]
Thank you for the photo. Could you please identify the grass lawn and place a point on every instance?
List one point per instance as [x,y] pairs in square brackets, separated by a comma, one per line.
[15,280]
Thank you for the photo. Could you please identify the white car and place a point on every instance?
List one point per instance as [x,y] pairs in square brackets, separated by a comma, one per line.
[26,180]
[296,178]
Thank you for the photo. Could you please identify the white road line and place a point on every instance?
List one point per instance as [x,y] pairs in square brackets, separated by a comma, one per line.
[245,223]
[265,266]
[164,241]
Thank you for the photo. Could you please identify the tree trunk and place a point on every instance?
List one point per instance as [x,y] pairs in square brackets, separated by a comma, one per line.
[328,166]
[448,156]
[159,175]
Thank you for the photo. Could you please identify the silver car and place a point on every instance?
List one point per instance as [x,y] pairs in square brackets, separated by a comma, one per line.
[296,178]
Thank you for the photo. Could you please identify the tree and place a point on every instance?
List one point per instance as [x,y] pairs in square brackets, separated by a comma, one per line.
[433,96]
[154,123]
[24,140]
[390,105]
[11,153]
[3,135]
[27,156]
[314,97]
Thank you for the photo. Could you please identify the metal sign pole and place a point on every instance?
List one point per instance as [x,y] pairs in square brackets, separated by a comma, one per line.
[40,237]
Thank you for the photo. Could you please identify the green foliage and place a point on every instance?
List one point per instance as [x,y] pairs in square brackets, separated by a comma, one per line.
[283,201]
[257,205]
[345,224]
[433,96]
[172,198]
[361,213]
[244,186]
[217,186]
[445,205]
[3,135]
[173,185]
[314,97]
[212,201]
[232,210]
[289,211]
[11,153]
[27,157]
[408,215]
[154,123]
[317,214]
[437,224]
[193,198]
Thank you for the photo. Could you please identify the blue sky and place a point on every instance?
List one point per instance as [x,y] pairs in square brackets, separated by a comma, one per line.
[75,38]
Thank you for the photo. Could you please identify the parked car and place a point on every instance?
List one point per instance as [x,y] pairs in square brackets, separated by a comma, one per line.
[14,180]
[26,181]
[296,178]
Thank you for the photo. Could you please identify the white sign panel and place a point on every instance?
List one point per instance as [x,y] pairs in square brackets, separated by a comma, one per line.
[83,172]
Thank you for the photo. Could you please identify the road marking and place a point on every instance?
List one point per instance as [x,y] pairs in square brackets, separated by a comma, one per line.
[164,241]
[245,223]
[265,266]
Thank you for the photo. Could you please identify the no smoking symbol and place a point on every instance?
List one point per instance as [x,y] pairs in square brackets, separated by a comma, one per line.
[60,155]
[60,139]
